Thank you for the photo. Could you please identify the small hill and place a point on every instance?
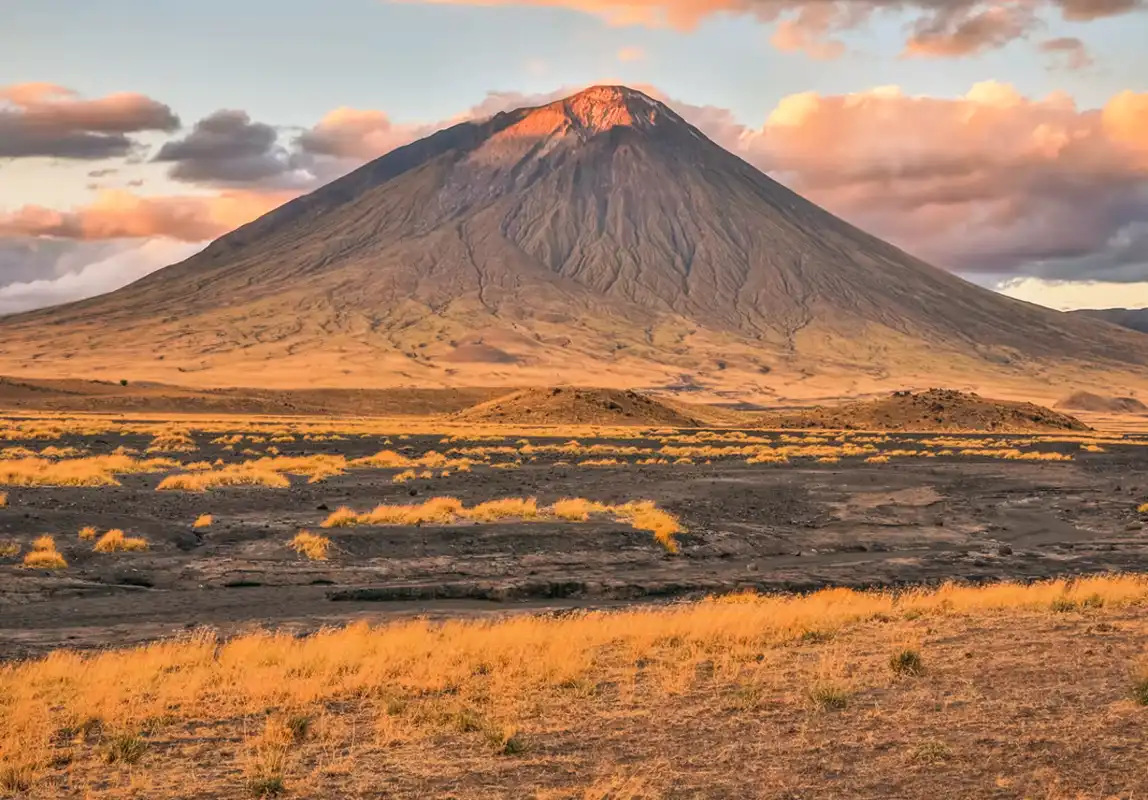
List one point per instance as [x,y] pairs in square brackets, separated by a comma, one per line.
[1087,401]
[1135,319]
[565,405]
[934,410]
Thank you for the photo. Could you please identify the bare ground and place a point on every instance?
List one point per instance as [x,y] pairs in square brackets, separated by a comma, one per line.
[768,526]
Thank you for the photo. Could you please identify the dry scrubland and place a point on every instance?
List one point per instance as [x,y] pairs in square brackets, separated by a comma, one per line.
[838,693]
[1001,691]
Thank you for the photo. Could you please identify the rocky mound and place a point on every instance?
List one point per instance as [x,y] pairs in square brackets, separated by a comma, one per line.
[562,405]
[1087,401]
[934,410]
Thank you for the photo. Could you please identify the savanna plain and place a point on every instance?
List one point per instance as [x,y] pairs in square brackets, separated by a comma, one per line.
[224,606]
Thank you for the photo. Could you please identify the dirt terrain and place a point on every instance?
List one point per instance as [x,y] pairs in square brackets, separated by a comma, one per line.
[967,511]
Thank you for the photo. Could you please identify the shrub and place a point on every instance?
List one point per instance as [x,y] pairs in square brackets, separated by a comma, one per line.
[907,662]
[202,521]
[114,541]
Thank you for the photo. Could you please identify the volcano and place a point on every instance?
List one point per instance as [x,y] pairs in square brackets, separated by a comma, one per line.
[598,240]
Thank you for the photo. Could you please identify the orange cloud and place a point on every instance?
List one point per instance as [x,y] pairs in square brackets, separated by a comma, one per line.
[627,54]
[119,214]
[947,28]
[985,180]
[358,134]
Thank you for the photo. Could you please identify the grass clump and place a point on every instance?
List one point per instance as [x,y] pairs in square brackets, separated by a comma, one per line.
[44,555]
[16,778]
[126,748]
[828,695]
[645,515]
[1139,688]
[114,541]
[234,475]
[311,545]
[3,499]
[577,509]
[202,521]
[9,549]
[87,533]
[907,662]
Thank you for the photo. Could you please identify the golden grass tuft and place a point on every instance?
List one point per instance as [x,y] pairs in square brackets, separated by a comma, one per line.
[507,508]
[203,521]
[645,515]
[577,509]
[1142,508]
[44,554]
[114,541]
[341,517]
[87,533]
[311,545]
[234,475]
[9,548]
[90,471]
[3,499]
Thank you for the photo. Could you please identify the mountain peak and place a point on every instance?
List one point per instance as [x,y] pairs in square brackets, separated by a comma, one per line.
[595,110]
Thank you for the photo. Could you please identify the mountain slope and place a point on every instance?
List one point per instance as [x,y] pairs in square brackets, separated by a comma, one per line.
[599,240]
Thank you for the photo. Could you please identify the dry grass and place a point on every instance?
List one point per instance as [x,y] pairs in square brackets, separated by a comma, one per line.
[87,533]
[203,521]
[311,545]
[3,499]
[44,554]
[235,475]
[793,694]
[91,471]
[9,548]
[643,514]
[114,541]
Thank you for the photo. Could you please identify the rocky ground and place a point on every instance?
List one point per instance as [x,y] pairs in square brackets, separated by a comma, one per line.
[790,526]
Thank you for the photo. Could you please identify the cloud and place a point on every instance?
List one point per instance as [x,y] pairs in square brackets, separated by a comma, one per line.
[45,120]
[354,134]
[968,31]
[1071,51]
[629,54]
[228,148]
[992,181]
[115,265]
[937,27]
[120,214]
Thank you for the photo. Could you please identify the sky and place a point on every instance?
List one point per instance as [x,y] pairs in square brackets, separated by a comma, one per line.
[1006,141]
